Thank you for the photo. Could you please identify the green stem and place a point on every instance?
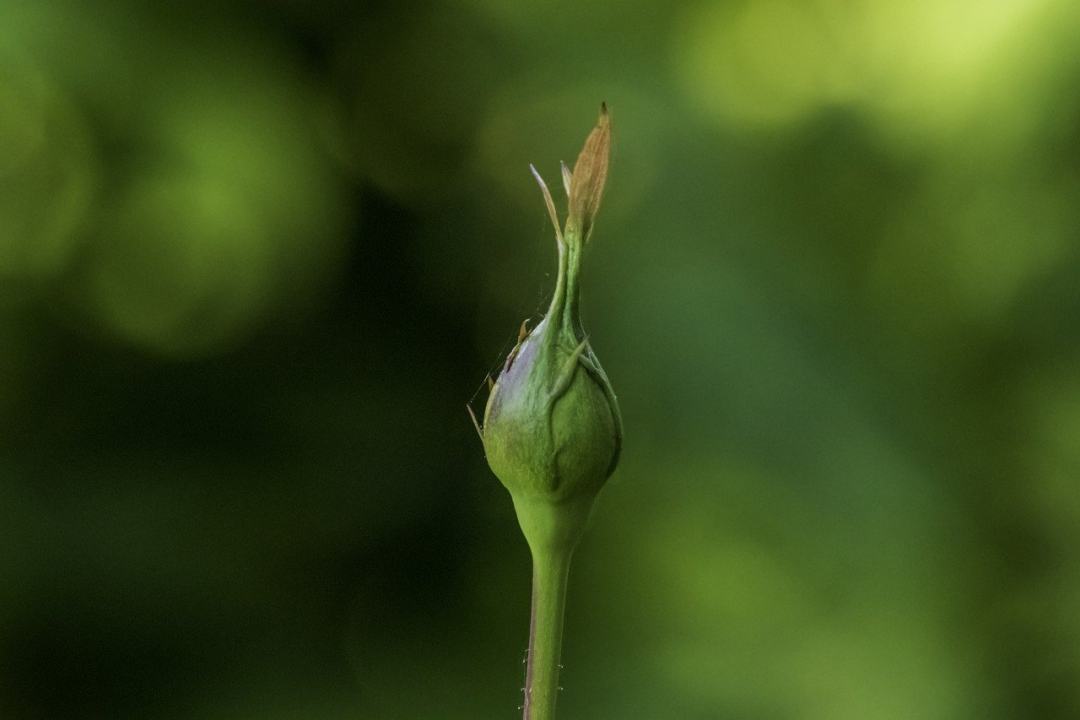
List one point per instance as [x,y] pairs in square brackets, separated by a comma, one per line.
[571,318]
[551,569]
[558,299]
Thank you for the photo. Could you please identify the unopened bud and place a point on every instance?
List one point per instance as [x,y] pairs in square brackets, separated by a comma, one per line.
[552,430]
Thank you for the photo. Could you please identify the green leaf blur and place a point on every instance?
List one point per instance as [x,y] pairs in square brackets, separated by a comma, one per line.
[253,254]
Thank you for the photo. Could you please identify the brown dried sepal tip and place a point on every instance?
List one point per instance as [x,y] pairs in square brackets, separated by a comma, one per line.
[590,174]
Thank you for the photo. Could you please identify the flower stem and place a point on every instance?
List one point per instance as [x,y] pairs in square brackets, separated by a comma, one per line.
[551,568]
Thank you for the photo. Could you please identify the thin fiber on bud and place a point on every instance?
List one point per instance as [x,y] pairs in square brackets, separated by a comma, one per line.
[589,176]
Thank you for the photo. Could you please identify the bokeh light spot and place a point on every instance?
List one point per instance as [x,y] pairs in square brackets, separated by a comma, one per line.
[46,175]
[183,268]
[762,63]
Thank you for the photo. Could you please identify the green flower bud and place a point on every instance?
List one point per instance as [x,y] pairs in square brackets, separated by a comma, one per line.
[552,430]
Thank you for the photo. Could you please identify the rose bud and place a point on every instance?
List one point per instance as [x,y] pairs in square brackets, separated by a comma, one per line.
[552,431]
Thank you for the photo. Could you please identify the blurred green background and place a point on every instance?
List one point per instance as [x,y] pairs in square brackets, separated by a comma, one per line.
[256,256]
